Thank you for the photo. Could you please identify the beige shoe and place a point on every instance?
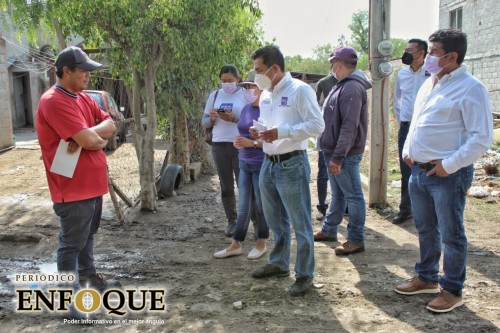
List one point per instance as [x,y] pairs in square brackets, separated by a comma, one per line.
[256,253]
[445,302]
[349,248]
[416,286]
[225,253]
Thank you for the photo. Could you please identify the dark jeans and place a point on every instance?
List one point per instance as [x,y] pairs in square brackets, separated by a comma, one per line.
[249,201]
[79,222]
[405,204]
[322,182]
[227,164]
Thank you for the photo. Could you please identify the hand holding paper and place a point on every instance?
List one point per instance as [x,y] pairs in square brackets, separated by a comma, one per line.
[259,126]
[64,163]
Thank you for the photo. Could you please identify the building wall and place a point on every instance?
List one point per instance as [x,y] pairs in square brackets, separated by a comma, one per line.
[481,23]
[6,133]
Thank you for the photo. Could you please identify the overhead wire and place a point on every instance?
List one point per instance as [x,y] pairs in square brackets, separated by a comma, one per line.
[43,59]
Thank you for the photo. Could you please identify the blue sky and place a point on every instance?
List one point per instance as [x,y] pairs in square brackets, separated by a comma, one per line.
[299,25]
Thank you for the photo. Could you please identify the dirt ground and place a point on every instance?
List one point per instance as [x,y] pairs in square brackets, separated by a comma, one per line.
[173,248]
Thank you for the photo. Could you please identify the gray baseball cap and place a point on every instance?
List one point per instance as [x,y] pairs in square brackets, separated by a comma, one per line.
[74,56]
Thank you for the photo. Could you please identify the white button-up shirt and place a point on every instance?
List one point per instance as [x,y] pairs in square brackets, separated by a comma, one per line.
[293,109]
[406,87]
[452,121]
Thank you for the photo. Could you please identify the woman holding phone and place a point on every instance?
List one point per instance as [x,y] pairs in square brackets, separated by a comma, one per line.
[222,112]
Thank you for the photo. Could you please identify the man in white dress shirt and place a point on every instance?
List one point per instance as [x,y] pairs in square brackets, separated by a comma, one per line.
[289,109]
[407,83]
[451,127]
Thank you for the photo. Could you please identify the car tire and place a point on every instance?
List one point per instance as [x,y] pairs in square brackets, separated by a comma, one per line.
[171,180]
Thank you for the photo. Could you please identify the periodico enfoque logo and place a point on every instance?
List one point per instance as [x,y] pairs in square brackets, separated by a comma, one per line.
[86,300]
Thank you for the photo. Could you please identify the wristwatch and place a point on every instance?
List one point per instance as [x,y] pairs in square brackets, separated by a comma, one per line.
[255,144]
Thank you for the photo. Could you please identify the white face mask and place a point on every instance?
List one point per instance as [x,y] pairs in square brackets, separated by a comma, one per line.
[431,64]
[262,81]
[229,87]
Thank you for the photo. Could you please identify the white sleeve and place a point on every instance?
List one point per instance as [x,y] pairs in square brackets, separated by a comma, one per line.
[312,124]
[478,122]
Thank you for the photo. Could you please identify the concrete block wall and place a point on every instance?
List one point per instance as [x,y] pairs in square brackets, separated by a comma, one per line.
[482,25]
[6,132]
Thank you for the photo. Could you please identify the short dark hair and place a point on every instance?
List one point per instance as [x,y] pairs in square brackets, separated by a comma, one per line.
[271,55]
[453,41]
[229,69]
[60,73]
[421,44]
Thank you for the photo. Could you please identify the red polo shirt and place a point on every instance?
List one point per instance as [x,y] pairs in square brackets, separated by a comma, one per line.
[61,115]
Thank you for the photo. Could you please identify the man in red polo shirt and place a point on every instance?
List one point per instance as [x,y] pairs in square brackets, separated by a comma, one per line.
[65,113]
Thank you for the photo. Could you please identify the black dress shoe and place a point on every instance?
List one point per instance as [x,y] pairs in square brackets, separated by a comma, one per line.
[301,285]
[268,271]
[402,217]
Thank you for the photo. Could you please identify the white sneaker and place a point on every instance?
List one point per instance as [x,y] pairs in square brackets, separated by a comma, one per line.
[256,254]
[320,216]
[225,253]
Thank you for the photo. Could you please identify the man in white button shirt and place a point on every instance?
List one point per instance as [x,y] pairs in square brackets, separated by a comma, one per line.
[451,127]
[289,109]
[407,83]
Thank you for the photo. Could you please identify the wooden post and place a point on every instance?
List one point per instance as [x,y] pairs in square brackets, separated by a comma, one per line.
[114,199]
[380,11]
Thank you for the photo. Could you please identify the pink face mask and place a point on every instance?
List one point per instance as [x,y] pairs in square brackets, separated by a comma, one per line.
[250,95]
[431,64]
[229,87]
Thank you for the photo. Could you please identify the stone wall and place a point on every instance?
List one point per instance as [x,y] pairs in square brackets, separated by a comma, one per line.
[6,133]
[482,25]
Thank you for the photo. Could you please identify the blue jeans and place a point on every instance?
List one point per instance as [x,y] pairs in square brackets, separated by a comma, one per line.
[249,200]
[438,211]
[286,200]
[405,203]
[79,222]
[322,182]
[346,192]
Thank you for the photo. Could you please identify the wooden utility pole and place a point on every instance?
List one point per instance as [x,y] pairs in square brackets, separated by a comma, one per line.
[380,11]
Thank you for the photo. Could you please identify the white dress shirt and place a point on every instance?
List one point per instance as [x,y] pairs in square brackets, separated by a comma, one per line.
[293,109]
[406,87]
[451,121]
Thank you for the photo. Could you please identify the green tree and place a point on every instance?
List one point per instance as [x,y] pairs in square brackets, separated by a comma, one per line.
[399,47]
[360,31]
[169,47]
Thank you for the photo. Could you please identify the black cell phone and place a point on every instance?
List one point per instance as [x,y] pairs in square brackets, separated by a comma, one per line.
[221,111]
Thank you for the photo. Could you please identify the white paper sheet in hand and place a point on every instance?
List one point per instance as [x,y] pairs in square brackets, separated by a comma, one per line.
[259,126]
[64,164]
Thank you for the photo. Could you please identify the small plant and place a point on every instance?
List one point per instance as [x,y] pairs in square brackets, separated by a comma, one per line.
[490,163]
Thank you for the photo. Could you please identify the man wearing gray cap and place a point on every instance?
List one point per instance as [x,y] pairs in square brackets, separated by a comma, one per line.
[70,120]
[343,142]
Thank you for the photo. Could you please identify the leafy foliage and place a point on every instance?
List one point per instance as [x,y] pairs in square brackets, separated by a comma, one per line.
[168,51]
[360,31]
